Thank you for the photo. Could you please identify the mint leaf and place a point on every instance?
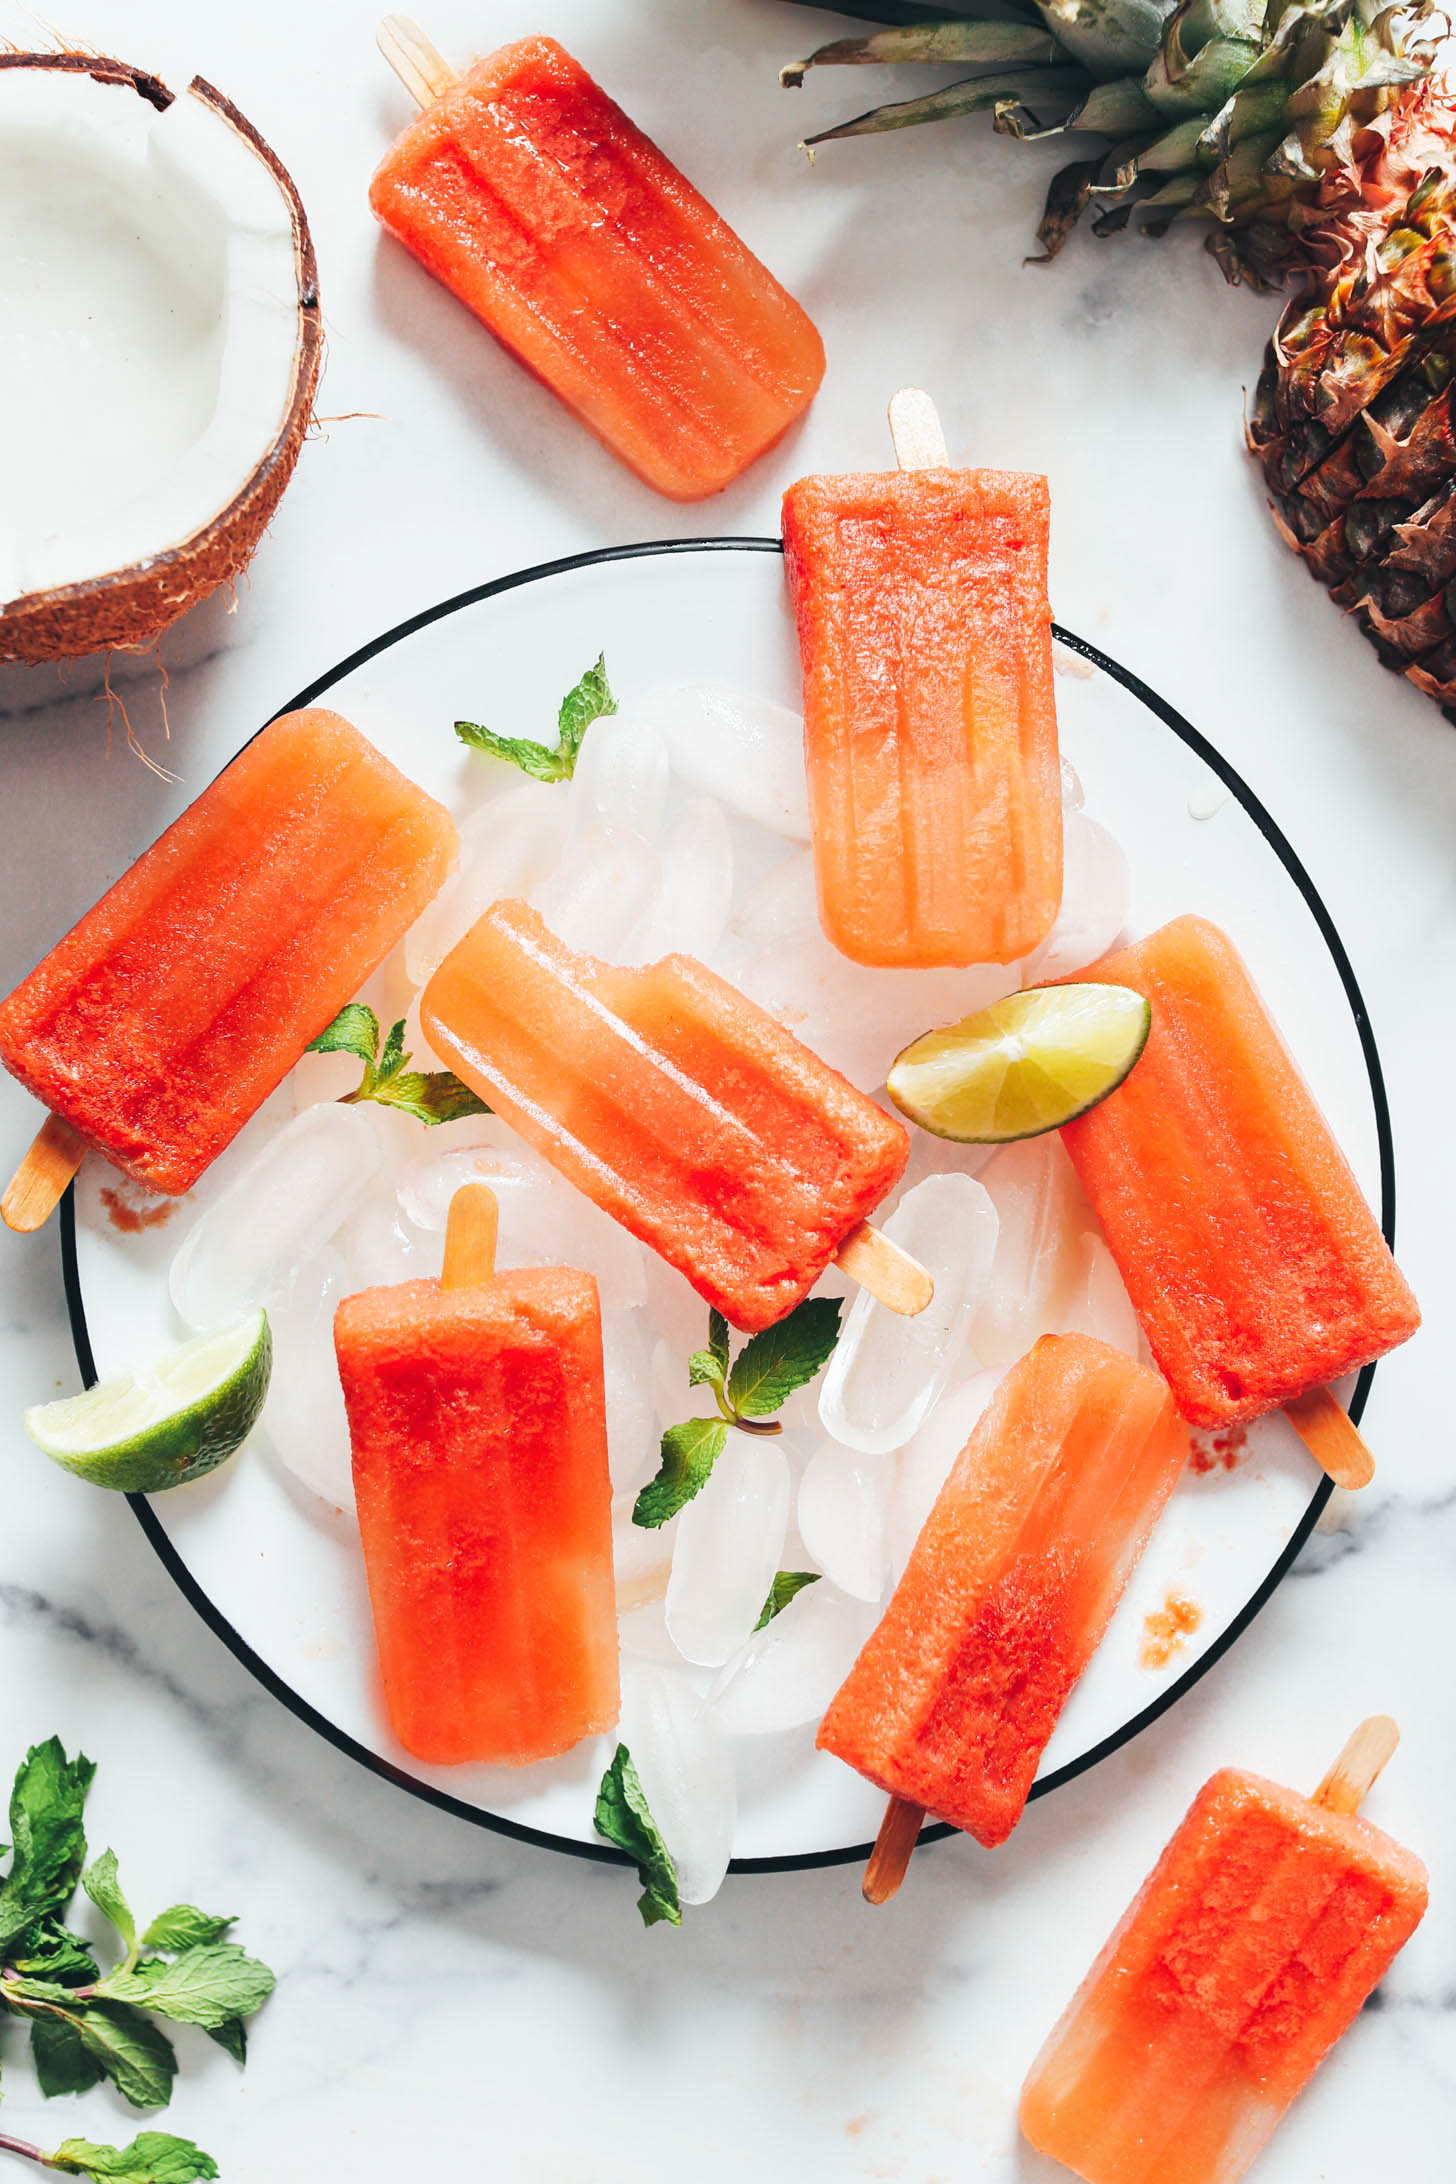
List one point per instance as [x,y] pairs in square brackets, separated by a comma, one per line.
[135,2054]
[182,1926]
[393,1057]
[772,1365]
[689,1452]
[622,1816]
[154,2157]
[104,1889]
[588,701]
[709,1367]
[52,1952]
[204,1986]
[231,2034]
[62,2063]
[786,1583]
[355,1030]
[431,1097]
[591,698]
[46,1807]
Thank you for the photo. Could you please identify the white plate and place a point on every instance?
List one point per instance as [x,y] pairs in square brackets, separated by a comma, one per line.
[278,1576]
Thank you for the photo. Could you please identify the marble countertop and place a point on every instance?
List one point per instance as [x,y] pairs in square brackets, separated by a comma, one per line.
[447,1997]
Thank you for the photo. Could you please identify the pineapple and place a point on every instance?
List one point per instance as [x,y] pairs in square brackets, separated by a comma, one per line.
[1248,114]
[1314,139]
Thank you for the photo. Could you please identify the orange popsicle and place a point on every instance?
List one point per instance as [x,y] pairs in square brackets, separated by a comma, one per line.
[1250,1255]
[479,1435]
[1011,1585]
[686,1112]
[530,194]
[165,1017]
[930,732]
[1248,1952]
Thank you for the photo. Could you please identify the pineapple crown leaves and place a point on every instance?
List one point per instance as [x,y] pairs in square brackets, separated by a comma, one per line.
[1251,114]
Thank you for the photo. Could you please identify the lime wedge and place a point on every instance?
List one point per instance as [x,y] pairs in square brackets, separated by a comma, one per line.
[1024,1065]
[165,1423]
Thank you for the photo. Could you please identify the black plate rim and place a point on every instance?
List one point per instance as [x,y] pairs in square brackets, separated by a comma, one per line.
[855,1853]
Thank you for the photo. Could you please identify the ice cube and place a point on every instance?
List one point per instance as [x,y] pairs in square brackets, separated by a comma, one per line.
[544,1221]
[1099,1304]
[303,1417]
[746,750]
[727,1550]
[1043,1217]
[632,1440]
[696,888]
[888,1370]
[844,1497]
[789,1671]
[620,778]
[603,886]
[381,1246]
[506,847]
[295,1193]
[926,1460]
[1073,796]
[1095,889]
[683,1763]
[643,1632]
[641,1557]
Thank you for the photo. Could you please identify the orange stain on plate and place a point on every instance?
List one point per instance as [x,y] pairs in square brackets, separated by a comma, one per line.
[1166,1629]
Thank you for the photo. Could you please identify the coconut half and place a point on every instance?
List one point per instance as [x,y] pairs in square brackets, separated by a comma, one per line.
[159,354]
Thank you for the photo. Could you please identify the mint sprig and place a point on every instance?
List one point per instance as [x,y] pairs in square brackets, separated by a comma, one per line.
[431,1096]
[622,1816]
[771,1366]
[155,2157]
[786,1584]
[87,2025]
[587,701]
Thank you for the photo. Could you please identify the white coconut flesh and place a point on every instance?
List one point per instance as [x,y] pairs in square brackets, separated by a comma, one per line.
[150,304]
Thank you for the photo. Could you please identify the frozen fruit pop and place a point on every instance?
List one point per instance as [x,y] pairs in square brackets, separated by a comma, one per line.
[478,1428]
[164,1018]
[685,1111]
[530,194]
[1255,1265]
[930,733]
[1250,1949]
[1011,1585]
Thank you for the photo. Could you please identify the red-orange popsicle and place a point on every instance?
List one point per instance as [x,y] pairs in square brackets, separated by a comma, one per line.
[1011,1584]
[930,732]
[1248,1250]
[479,1435]
[1248,1952]
[530,194]
[173,1008]
[670,1099]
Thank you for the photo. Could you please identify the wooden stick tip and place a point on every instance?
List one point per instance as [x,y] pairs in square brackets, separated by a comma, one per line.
[471,1228]
[894,1847]
[1367,1751]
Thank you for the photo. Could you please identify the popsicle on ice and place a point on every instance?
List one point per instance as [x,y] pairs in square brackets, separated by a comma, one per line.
[1247,1953]
[672,1101]
[165,1017]
[478,1427]
[930,732]
[530,194]
[1255,1265]
[1011,1585]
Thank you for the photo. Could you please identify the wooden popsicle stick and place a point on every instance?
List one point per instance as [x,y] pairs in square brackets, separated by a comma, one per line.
[420,66]
[39,1183]
[470,1233]
[1366,1752]
[1331,1437]
[899,1833]
[890,1275]
[916,432]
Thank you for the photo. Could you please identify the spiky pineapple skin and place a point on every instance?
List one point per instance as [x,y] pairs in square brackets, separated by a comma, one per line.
[1353,419]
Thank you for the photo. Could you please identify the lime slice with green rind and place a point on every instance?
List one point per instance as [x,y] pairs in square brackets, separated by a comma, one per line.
[1023,1066]
[164,1423]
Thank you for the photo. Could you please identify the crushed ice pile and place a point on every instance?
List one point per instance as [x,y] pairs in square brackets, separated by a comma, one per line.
[686,828]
